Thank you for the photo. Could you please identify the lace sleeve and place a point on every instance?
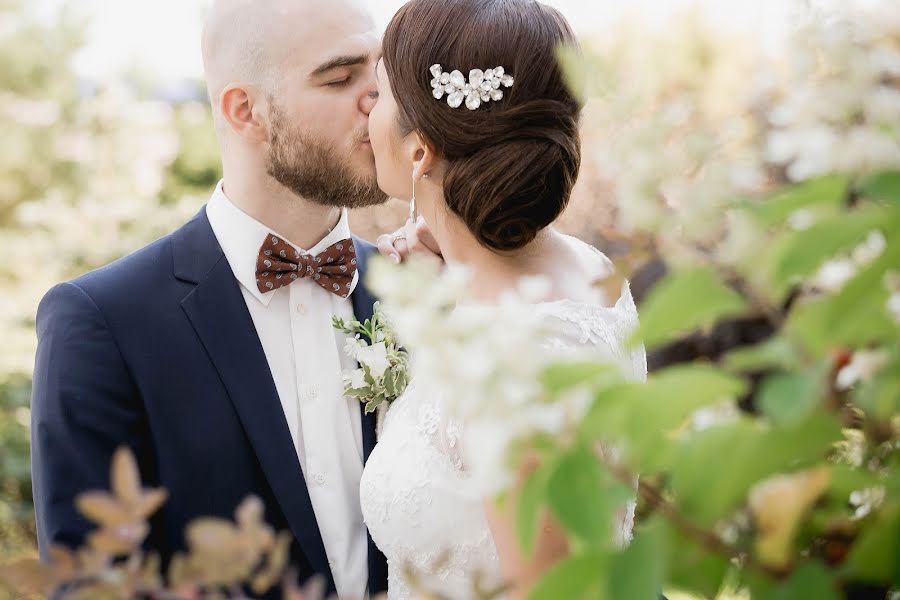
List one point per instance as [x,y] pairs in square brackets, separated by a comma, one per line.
[598,332]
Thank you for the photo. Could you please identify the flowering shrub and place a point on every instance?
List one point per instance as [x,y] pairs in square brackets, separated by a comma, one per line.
[772,470]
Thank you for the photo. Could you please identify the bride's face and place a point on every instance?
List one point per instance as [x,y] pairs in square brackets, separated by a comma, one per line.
[393,167]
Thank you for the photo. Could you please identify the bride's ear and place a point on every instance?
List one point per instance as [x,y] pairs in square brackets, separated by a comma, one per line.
[421,154]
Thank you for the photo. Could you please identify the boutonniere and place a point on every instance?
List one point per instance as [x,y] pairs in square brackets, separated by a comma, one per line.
[383,371]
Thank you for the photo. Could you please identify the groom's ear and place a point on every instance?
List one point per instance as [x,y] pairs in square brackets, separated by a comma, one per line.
[421,154]
[245,110]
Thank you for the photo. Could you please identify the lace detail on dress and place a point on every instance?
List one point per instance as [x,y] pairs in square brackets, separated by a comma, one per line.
[447,572]
[598,330]
[414,493]
[413,502]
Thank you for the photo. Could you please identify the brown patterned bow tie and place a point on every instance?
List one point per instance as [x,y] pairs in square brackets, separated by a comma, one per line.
[279,264]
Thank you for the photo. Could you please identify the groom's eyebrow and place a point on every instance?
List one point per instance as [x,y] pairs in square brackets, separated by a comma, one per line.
[339,61]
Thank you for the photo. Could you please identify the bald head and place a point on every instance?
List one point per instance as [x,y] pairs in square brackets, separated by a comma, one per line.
[236,46]
[249,41]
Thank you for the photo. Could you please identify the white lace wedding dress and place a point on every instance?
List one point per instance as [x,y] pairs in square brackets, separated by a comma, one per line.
[413,492]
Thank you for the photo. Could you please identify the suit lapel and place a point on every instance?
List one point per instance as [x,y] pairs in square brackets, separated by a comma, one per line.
[219,315]
[363,308]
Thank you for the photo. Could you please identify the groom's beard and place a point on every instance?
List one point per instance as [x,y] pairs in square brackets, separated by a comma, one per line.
[312,169]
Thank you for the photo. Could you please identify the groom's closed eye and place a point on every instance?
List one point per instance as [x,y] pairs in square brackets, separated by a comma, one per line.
[338,71]
[340,82]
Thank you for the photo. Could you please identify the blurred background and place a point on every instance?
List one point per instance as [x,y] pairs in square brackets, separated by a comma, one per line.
[107,144]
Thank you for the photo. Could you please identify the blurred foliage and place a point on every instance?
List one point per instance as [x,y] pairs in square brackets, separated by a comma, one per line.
[16,511]
[223,557]
[793,493]
[88,173]
[769,446]
[768,467]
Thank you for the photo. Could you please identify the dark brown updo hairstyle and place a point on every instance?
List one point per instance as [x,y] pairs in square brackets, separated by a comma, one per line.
[511,163]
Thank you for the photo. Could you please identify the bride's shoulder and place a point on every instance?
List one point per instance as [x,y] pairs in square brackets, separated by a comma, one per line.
[585,263]
[593,259]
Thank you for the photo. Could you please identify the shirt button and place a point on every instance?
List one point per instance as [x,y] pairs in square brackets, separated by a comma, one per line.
[301,309]
[312,392]
[319,479]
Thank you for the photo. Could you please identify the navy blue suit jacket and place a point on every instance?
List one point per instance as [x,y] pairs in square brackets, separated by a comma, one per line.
[158,352]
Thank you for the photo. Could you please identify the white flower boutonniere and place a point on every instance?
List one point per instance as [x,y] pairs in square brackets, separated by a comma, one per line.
[383,371]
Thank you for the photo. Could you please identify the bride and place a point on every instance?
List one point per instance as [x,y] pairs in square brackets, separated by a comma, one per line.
[474,123]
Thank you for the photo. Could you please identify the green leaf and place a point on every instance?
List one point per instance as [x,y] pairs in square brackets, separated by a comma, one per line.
[790,398]
[640,414]
[532,497]
[809,580]
[693,568]
[858,313]
[880,397]
[584,497]
[882,186]
[563,376]
[875,556]
[741,454]
[390,383]
[774,353]
[808,324]
[855,316]
[368,377]
[757,583]
[846,479]
[638,573]
[678,391]
[822,195]
[402,378]
[580,577]
[683,302]
[805,251]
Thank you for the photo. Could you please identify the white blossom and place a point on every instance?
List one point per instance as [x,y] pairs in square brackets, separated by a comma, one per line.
[870,249]
[864,365]
[375,357]
[867,500]
[840,106]
[353,345]
[801,220]
[356,379]
[834,274]
[715,416]
[892,283]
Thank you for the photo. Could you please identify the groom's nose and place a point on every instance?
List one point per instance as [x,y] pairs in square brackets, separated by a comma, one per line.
[368,101]
[369,97]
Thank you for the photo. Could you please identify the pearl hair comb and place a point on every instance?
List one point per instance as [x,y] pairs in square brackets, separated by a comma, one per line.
[482,86]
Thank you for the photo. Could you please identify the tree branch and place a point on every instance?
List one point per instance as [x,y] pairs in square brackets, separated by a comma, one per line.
[708,539]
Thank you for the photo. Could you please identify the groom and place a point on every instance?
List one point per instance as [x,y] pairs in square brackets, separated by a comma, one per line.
[210,353]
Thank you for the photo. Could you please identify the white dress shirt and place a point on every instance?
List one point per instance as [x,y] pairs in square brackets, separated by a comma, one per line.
[306,357]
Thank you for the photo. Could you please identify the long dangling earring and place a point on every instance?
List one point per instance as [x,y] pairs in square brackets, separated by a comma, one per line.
[413,213]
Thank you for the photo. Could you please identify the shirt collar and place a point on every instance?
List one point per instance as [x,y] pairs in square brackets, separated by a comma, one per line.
[241,237]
